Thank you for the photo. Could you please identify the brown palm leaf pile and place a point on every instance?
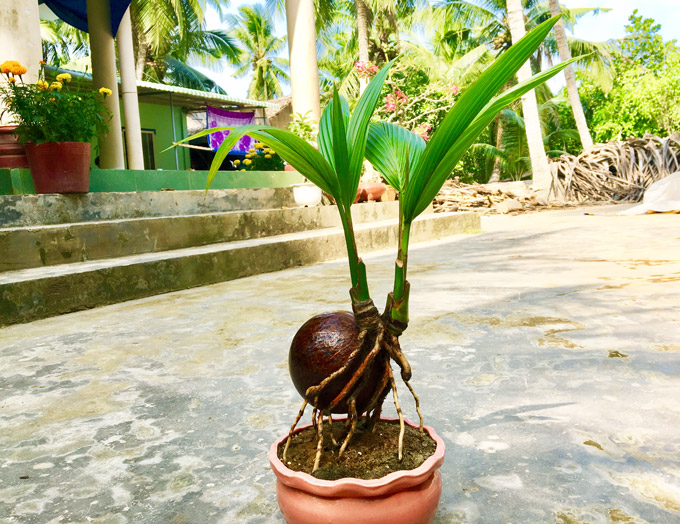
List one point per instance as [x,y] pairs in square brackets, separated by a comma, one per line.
[616,171]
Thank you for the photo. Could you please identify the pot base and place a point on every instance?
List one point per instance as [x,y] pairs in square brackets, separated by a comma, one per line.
[417,505]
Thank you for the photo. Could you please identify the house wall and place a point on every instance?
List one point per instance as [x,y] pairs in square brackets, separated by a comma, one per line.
[157,117]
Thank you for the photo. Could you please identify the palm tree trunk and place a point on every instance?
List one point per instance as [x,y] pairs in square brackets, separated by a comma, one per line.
[363,16]
[572,90]
[496,173]
[539,161]
[142,51]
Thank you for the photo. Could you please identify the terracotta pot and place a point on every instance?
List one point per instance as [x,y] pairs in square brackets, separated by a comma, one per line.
[12,153]
[402,497]
[369,192]
[59,167]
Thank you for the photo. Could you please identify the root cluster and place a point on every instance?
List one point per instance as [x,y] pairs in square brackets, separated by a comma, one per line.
[377,345]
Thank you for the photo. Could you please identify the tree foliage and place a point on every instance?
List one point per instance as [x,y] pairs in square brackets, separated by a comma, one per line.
[645,94]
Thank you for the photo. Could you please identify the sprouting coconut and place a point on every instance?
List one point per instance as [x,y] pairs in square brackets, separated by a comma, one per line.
[341,362]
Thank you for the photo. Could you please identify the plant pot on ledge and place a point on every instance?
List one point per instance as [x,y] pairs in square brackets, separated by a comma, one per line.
[12,153]
[401,497]
[59,167]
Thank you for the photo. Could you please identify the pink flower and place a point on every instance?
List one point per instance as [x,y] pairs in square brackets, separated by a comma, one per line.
[423,130]
[365,69]
[453,89]
[393,100]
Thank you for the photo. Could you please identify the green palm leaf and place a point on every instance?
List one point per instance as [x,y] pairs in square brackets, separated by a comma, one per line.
[390,149]
[443,151]
[470,134]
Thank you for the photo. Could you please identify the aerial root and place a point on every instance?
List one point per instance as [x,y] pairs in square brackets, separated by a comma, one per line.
[292,428]
[330,425]
[377,346]
[398,408]
[353,419]
[415,397]
[318,422]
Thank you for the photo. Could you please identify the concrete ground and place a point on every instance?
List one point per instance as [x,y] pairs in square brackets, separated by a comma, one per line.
[546,351]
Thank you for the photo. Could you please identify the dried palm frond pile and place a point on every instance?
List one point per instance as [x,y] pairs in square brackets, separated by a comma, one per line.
[503,197]
[615,171]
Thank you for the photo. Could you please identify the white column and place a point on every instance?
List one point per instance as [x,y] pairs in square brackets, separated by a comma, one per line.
[103,55]
[128,87]
[304,72]
[20,36]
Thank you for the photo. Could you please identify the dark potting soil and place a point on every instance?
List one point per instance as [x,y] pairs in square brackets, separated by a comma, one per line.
[368,455]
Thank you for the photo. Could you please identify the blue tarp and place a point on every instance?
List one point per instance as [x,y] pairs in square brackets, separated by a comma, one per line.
[74,12]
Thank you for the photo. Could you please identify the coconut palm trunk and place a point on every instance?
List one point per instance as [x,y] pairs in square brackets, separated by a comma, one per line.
[363,18]
[572,90]
[539,161]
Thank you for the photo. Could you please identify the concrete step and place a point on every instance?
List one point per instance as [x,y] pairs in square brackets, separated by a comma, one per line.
[46,245]
[30,294]
[36,210]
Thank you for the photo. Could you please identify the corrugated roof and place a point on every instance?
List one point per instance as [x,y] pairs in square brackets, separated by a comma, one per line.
[181,96]
[185,96]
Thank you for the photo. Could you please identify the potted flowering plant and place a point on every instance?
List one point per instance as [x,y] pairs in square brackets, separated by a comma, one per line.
[341,362]
[56,126]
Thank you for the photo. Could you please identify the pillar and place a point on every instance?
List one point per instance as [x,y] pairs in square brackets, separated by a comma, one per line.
[103,55]
[20,36]
[128,87]
[304,73]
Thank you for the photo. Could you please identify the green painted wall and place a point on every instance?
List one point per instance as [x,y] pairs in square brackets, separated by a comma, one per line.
[19,181]
[157,117]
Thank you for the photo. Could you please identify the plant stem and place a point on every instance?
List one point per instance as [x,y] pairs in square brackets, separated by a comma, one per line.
[357,268]
[400,291]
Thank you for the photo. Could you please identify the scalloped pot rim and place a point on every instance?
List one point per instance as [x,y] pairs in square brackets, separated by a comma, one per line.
[348,486]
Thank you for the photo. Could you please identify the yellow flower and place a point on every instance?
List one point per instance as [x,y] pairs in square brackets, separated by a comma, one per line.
[242,169]
[267,156]
[237,162]
[11,79]
[251,150]
[64,78]
[105,91]
[52,99]
[13,67]
[56,86]
[42,85]
[247,162]
[259,145]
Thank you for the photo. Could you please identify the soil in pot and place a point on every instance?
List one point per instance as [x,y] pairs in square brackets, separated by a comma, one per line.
[370,455]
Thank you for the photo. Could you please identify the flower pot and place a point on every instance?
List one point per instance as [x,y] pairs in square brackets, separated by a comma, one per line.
[12,153]
[369,192]
[402,497]
[59,167]
[307,194]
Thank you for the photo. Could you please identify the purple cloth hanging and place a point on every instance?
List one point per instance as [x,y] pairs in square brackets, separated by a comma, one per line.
[221,118]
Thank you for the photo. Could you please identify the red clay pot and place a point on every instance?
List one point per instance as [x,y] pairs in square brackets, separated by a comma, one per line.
[402,497]
[12,153]
[59,167]
[369,192]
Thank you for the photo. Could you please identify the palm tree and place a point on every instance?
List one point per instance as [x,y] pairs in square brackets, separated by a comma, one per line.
[259,51]
[577,108]
[170,35]
[539,162]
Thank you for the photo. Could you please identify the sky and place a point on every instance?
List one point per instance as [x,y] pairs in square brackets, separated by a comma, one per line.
[604,26]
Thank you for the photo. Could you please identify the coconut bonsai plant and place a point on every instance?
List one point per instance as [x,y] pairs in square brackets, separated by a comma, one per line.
[341,362]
